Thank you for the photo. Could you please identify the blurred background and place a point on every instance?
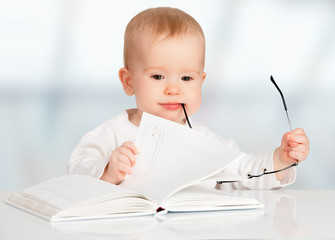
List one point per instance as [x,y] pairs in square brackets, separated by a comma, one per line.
[59,63]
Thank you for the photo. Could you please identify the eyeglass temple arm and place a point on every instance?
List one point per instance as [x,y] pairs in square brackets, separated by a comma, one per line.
[281,94]
[187,120]
[283,99]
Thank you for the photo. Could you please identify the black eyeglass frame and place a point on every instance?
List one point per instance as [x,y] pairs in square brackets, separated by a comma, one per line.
[264,171]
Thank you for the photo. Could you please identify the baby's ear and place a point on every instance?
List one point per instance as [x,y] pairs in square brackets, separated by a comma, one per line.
[203,76]
[125,78]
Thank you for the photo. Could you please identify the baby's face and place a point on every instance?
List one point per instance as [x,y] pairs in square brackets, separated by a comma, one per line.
[167,73]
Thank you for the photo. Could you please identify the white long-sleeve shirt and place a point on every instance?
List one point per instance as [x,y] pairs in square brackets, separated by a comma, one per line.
[93,152]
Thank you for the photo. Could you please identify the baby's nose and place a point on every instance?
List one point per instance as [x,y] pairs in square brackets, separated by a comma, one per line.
[172,89]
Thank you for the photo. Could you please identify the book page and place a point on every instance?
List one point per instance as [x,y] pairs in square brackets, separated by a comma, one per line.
[173,156]
[201,198]
[79,196]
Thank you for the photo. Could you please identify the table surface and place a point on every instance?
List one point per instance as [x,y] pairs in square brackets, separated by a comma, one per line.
[286,214]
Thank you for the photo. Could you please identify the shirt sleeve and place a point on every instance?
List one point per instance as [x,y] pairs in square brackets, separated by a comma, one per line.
[93,152]
[89,157]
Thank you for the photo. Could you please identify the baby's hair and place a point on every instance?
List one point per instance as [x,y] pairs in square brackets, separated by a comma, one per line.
[162,20]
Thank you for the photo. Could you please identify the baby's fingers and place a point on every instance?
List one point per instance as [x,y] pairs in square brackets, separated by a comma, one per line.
[130,157]
[293,144]
[124,164]
[131,146]
[124,168]
[298,138]
[296,147]
[299,156]
[298,131]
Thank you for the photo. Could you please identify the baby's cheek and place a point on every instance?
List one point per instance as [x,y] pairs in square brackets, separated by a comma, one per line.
[194,104]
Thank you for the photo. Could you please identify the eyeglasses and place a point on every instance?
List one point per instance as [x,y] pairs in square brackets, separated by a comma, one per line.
[264,171]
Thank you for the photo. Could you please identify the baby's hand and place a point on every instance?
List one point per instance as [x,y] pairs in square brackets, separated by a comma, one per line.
[294,148]
[120,163]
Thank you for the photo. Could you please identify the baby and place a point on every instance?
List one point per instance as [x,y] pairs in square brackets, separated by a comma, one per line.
[164,58]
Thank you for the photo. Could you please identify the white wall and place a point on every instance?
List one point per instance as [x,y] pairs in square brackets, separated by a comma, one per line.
[58,78]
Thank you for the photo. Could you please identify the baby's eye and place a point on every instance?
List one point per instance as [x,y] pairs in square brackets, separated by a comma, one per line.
[186,78]
[157,77]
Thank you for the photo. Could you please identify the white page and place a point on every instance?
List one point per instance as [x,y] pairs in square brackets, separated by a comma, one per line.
[201,198]
[173,156]
[65,191]
[73,192]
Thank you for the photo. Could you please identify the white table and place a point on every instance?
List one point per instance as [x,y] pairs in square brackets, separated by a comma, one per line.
[287,214]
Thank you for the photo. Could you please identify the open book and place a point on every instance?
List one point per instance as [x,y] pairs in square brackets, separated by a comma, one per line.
[173,160]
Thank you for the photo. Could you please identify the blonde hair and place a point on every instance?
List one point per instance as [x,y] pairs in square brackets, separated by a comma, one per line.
[162,20]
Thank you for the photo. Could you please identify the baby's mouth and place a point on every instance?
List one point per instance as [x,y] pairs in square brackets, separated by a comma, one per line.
[171,105]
